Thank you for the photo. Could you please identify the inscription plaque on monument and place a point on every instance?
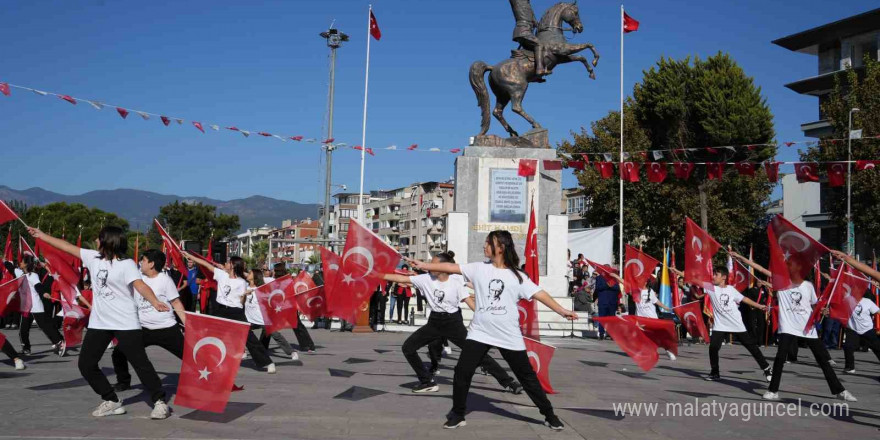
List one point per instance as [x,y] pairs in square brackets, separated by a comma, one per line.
[507,196]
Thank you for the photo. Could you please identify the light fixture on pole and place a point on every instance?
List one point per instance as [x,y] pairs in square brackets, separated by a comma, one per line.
[850,229]
[334,38]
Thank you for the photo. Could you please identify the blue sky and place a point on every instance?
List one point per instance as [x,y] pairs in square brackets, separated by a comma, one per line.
[262,66]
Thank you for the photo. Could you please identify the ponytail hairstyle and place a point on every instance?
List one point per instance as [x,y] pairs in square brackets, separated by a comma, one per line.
[446,257]
[238,267]
[510,258]
[113,243]
[30,262]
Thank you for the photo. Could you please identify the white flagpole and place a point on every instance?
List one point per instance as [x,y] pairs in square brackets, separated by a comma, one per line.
[364,132]
[620,228]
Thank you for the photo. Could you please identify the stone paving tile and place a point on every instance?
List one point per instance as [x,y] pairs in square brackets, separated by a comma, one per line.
[50,400]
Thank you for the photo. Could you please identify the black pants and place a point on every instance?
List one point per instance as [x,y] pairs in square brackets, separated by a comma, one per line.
[819,353]
[472,355]
[743,337]
[9,350]
[277,336]
[256,349]
[403,308]
[44,321]
[186,299]
[302,336]
[852,344]
[171,339]
[131,344]
[447,325]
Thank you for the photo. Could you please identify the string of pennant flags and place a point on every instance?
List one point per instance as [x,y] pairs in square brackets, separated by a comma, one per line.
[568,160]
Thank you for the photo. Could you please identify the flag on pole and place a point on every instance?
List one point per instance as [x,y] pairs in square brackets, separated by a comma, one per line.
[6,213]
[375,32]
[528,312]
[7,251]
[629,24]
[280,313]
[540,355]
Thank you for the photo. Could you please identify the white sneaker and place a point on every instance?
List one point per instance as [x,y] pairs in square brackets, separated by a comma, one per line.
[160,411]
[246,355]
[271,368]
[108,408]
[19,364]
[447,349]
[770,395]
[62,348]
[846,395]
[850,371]
[671,356]
[294,356]
[832,362]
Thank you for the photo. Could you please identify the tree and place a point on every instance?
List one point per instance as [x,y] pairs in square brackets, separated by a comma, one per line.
[862,91]
[65,219]
[260,253]
[193,221]
[683,105]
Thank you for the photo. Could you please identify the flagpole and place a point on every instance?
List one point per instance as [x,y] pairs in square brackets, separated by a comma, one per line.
[620,220]
[364,131]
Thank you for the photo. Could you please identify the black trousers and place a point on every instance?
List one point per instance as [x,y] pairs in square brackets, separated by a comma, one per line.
[44,321]
[852,344]
[9,350]
[819,353]
[402,308]
[743,337]
[256,349]
[277,336]
[131,344]
[447,325]
[171,339]
[302,336]
[472,355]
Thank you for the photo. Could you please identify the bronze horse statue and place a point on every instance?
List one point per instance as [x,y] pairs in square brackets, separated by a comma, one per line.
[510,78]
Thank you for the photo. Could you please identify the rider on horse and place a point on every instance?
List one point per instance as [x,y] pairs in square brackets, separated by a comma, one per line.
[523,33]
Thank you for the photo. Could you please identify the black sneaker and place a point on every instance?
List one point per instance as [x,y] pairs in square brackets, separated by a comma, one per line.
[484,371]
[554,423]
[454,421]
[514,387]
[121,386]
[430,387]
[712,377]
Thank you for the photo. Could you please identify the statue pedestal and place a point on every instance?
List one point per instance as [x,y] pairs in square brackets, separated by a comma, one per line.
[536,138]
[362,320]
[490,195]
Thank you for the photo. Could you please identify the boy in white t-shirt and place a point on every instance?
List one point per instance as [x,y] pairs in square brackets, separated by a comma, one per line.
[159,328]
[728,321]
[860,325]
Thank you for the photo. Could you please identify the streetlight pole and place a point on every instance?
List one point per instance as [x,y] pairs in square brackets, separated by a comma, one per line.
[850,239]
[334,38]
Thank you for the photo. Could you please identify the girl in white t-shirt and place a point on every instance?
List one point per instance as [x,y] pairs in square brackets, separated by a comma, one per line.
[44,319]
[444,294]
[254,313]
[231,288]
[498,285]
[795,307]
[114,314]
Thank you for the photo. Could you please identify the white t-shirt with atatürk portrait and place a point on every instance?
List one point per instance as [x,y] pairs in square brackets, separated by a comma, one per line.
[725,309]
[113,303]
[795,308]
[496,318]
[442,296]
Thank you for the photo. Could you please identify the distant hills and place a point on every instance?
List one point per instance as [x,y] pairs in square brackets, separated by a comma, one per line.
[139,207]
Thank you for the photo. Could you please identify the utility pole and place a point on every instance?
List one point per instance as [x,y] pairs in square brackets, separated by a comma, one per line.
[334,38]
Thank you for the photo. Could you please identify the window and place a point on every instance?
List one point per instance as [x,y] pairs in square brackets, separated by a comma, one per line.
[346,213]
[343,227]
[424,239]
[576,205]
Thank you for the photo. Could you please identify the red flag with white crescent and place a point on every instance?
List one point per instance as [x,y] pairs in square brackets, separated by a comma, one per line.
[739,277]
[604,271]
[806,172]
[212,353]
[699,249]
[364,259]
[691,318]
[631,339]
[629,24]
[656,172]
[312,303]
[637,269]
[330,270]
[528,313]
[375,32]
[791,249]
[173,248]
[660,331]
[540,355]
[11,293]
[278,304]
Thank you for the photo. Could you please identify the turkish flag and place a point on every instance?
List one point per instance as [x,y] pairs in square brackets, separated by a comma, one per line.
[691,318]
[61,263]
[212,350]
[605,169]
[629,171]
[68,98]
[165,120]
[7,251]
[791,250]
[553,165]
[846,295]
[683,170]
[575,164]
[862,165]
[122,112]
[6,213]
[637,270]
[816,314]
[715,170]
[629,24]
[312,303]
[11,293]
[73,327]
[527,167]
[172,247]
[745,168]
[365,259]
[806,172]
[528,313]
[198,125]
[739,277]
[699,250]
[330,269]
[836,173]
[540,355]
[4,89]
[631,339]
[374,27]
[656,172]
[278,304]
[605,272]
[660,331]
[772,169]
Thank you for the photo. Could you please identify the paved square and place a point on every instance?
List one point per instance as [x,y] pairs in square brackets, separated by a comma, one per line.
[335,395]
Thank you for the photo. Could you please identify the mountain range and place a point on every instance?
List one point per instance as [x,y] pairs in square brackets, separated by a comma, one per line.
[139,207]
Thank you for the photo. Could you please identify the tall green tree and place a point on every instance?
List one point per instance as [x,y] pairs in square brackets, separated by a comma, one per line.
[193,221]
[65,219]
[683,104]
[854,88]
